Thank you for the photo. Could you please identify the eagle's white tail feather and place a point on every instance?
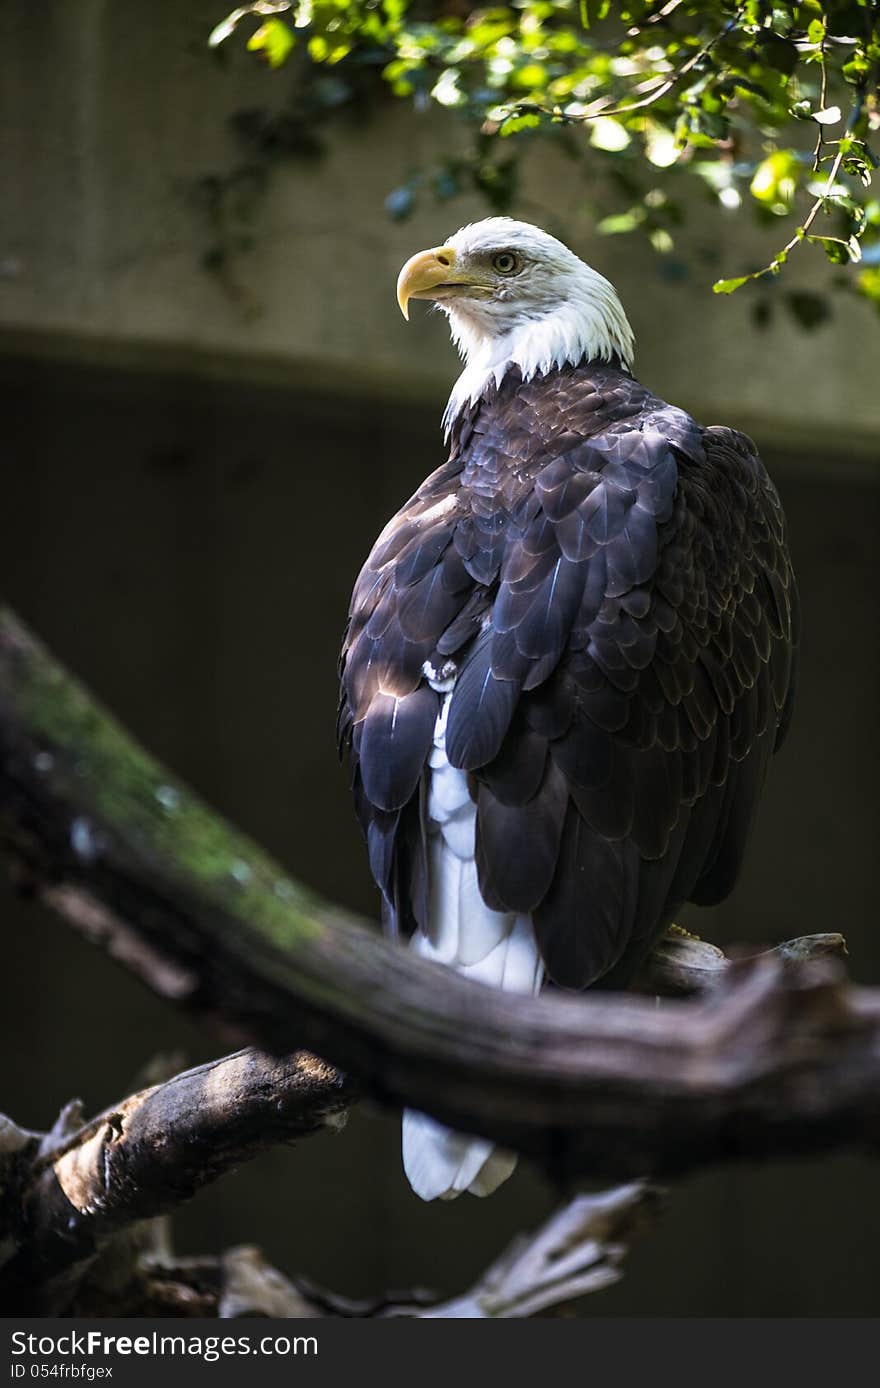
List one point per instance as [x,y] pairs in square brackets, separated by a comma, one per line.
[440,1164]
[496,948]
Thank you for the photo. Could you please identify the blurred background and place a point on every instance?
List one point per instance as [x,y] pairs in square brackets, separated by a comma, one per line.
[196,362]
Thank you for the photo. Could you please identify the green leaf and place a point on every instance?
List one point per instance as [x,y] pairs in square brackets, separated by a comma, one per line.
[661,146]
[774,182]
[321,50]
[512,125]
[661,240]
[273,41]
[594,11]
[834,247]
[531,77]
[857,68]
[608,133]
[730,286]
[868,284]
[621,222]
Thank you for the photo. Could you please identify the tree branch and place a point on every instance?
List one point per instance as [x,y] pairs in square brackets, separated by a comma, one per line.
[681,965]
[579,1250]
[79,1233]
[782,1057]
[65,1195]
[78,1187]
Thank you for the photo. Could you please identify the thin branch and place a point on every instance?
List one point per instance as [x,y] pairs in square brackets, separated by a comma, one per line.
[228,25]
[656,18]
[781,1058]
[801,232]
[823,96]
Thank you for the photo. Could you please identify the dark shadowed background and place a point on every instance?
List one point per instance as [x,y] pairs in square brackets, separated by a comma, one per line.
[189,486]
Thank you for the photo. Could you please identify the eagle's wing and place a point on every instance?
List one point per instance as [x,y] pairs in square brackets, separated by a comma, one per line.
[413,590]
[646,616]
[621,611]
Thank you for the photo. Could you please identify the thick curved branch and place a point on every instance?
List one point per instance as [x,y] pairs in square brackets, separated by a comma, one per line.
[66,1195]
[781,1058]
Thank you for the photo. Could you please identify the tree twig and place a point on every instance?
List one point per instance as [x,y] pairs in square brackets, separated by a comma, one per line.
[801,232]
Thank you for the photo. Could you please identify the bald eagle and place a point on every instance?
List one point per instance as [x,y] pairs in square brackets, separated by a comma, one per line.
[569,656]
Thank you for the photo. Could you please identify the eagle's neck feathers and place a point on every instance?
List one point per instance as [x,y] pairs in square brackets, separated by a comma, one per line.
[589,325]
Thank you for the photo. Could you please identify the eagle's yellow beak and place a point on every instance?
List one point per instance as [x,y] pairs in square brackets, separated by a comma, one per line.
[423,273]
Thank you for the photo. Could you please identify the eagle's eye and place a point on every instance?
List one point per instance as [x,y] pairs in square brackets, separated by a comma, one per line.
[506,263]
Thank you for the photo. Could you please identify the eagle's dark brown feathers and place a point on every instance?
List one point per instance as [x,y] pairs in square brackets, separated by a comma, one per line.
[613,586]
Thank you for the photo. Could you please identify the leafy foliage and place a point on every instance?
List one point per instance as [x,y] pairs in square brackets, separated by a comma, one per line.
[770,107]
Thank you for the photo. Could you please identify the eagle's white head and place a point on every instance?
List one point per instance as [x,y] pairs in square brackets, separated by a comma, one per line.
[515,296]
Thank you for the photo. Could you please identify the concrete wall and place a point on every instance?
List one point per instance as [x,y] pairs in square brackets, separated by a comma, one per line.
[114,113]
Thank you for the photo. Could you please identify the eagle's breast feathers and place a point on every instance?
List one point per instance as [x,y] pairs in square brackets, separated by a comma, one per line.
[597,595]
